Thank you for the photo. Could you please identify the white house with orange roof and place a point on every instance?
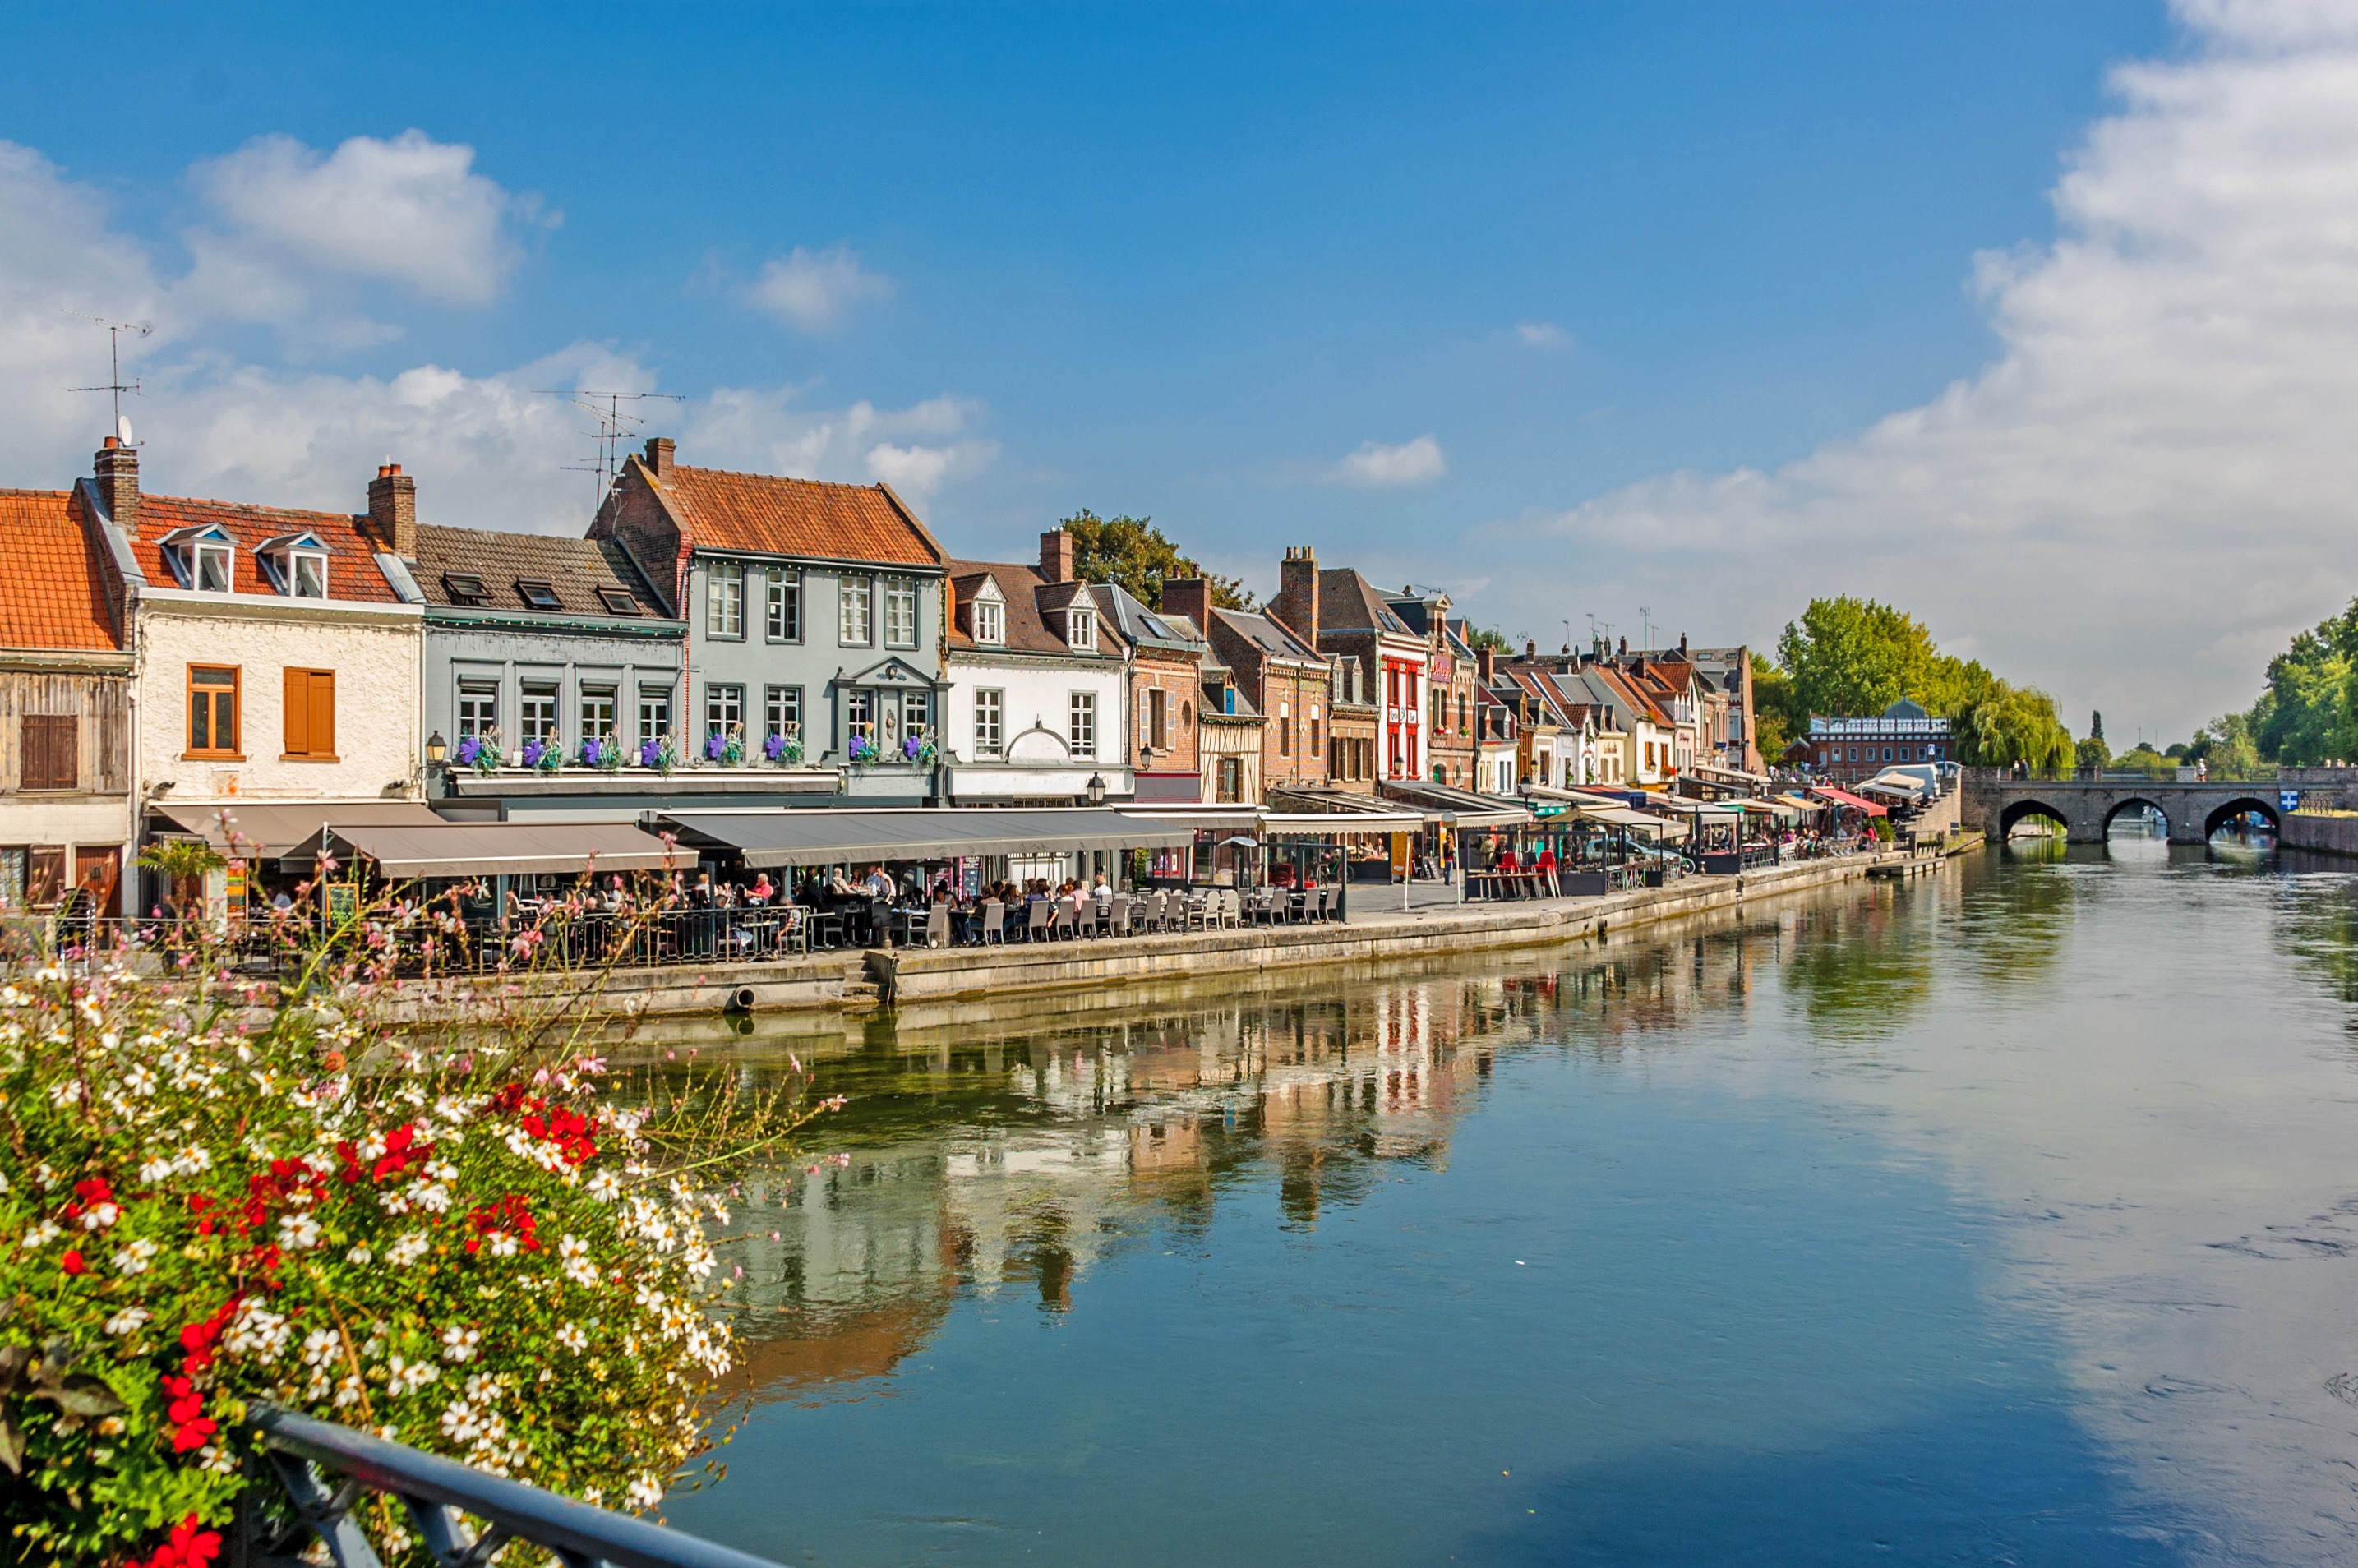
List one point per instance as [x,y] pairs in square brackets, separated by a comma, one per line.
[277,667]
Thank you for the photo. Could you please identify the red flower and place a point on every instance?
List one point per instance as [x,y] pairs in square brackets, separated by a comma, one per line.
[188,1547]
[191,1428]
[197,1339]
[73,1264]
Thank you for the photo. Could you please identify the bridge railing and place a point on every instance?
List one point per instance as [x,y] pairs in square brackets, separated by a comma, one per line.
[321,1470]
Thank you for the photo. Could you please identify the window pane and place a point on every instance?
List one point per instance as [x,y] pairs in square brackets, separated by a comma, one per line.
[479,707]
[654,712]
[538,711]
[1082,732]
[725,599]
[724,708]
[310,577]
[854,624]
[785,608]
[900,614]
[597,712]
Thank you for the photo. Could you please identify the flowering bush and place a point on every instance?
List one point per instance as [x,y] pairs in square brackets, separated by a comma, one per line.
[603,752]
[660,754]
[726,747]
[786,750]
[863,750]
[918,749]
[220,1191]
[543,756]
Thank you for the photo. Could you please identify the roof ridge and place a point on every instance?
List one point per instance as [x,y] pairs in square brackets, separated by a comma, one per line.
[60,495]
[774,478]
[149,499]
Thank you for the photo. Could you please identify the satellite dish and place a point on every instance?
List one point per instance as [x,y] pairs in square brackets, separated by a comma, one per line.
[122,428]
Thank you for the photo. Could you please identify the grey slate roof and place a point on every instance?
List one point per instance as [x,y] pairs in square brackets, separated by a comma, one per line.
[575,570]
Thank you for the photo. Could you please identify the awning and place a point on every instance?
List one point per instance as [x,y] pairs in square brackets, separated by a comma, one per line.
[1783,810]
[1803,805]
[1200,818]
[786,837]
[1324,824]
[1905,791]
[502,849]
[268,829]
[1461,808]
[1843,797]
[1733,776]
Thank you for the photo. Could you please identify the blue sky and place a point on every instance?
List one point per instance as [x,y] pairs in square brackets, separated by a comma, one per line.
[1184,262]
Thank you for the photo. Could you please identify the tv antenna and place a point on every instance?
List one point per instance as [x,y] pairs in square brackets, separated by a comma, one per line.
[614,424]
[115,382]
[1646,628]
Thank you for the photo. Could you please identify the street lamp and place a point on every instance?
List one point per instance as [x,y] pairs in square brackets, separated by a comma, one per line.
[437,749]
[1097,789]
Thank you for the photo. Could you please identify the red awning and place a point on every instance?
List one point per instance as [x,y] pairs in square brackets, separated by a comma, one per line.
[1845,797]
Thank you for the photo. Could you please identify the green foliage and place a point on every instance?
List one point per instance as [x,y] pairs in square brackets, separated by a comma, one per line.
[182,863]
[2226,745]
[2308,714]
[2093,753]
[1132,552]
[2010,724]
[1773,720]
[1480,637]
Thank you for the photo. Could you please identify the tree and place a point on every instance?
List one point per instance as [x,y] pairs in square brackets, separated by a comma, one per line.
[2095,724]
[1773,721]
[1854,657]
[1132,552]
[180,862]
[2009,724]
[2093,755]
[1480,637]
[2226,745]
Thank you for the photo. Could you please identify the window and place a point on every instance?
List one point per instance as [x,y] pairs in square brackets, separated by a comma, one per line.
[479,707]
[212,711]
[310,718]
[855,621]
[916,711]
[785,607]
[654,712]
[859,715]
[618,601]
[538,712]
[1081,629]
[1284,731]
[989,715]
[1081,727]
[47,748]
[724,598]
[1158,705]
[538,593]
[310,579]
[598,712]
[724,708]
[989,622]
[1231,781]
[900,614]
[782,711]
[1317,735]
[212,567]
[466,588]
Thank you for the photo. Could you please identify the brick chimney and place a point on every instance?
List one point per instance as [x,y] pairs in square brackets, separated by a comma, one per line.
[1487,659]
[393,511]
[1296,603]
[115,469]
[660,458]
[1190,597]
[1683,644]
[1057,555]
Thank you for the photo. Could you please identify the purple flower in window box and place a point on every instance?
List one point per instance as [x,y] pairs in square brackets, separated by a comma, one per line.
[787,750]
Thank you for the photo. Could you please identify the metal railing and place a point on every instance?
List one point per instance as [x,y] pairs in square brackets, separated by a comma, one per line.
[321,1470]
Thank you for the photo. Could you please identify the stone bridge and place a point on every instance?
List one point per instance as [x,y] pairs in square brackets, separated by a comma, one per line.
[2086,808]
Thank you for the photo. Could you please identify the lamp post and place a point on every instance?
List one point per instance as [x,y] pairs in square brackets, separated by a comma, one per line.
[1097,789]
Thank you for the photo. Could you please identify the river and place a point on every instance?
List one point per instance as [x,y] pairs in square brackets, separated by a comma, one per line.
[2001,1216]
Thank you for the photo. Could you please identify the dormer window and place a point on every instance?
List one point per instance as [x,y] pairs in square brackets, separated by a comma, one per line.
[1081,629]
[618,602]
[295,564]
[202,559]
[538,593]
[466,588]
[213,574]
[989,617]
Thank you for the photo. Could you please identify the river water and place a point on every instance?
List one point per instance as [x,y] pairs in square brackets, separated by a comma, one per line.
[2004,1216]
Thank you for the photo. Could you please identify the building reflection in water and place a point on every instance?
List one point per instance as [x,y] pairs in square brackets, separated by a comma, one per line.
[1002,1152]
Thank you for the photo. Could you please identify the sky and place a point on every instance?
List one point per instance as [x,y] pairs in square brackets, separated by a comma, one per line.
[2038,322]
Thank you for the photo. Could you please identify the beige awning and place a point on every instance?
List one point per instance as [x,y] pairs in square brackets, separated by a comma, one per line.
[268,829]
[505,849]
[791,838]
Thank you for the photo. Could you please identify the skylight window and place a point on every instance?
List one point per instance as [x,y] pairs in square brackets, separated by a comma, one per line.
[618,602]
[538,593]
[466,587]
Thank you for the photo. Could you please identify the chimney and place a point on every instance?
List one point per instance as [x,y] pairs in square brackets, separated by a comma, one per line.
[117,472]
[1531,648]
[1296,603]
[1625,647]
[393,511]
[1190,597]
[659,458]
[1057,555]
[1683,644]
[1486,657]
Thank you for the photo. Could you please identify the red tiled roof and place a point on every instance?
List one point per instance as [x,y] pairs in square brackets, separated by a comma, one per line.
[351,561]
[52,587]
[769,514]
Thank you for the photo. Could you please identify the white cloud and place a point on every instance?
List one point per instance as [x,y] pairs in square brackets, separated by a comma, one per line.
[488,451]
[1542,334]
[1412,462]
[410,211]
[2151,487]
[816,290]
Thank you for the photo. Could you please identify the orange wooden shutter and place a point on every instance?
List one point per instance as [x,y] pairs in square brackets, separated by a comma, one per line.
[323,713]
[299,713]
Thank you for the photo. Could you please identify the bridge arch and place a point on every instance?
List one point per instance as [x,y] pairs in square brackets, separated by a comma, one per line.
[2137,803]
[2223,814]
[2017,810]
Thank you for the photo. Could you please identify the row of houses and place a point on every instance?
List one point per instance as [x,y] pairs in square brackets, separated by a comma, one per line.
[722,639]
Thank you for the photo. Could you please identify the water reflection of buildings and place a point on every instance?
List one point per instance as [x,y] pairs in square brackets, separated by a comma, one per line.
[1011,1159]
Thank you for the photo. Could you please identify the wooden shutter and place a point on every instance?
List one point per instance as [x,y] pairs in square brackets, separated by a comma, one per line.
[299,713]
[47,752]
[323,713]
